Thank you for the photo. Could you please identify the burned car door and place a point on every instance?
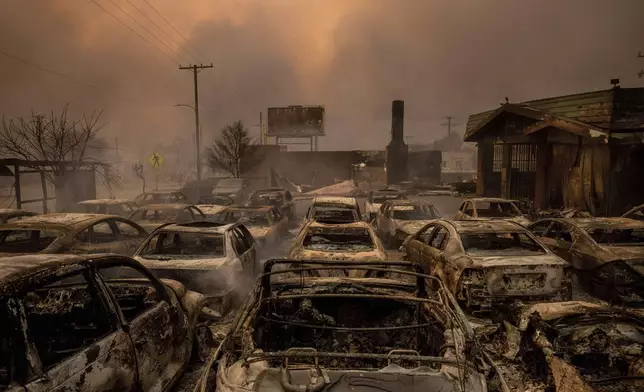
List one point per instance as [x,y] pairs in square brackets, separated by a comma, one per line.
[132,235]
[100,237]
[432,253]
[158,329]
[77,341]
[559,240]
[244,249]
[416,244]
[252,249]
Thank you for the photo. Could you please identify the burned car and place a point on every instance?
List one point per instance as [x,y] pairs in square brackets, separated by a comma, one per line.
[636,213]
[161,197]
[120,207]
[583,347]
[376,198]
[12,214]
[486,263]
[214,259]
[488,208]
[398,219]
[267,224]
[71,233]
[277,197]
[336,210]
[74,323]
[152,216]
[607,254]
[348,334]
[353,241]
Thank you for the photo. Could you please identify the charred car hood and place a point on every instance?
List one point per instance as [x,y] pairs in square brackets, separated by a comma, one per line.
[626,253]
[411,227]
[556,310]
[509,261]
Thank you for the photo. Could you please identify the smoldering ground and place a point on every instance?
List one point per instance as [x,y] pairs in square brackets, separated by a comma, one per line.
[442,58]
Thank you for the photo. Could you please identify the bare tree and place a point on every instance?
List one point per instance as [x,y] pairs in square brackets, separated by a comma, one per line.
[235,151]
[139,172]
[57,138]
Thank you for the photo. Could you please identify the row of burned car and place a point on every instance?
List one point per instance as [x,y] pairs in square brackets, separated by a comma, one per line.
[491,261]
[78,314]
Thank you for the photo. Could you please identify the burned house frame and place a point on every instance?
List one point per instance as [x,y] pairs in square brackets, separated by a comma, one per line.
[582,150]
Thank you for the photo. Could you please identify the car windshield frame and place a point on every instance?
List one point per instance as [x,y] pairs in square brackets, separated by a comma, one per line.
[533,247]
[336,243]
[149,248]
[425,212]
[497,214]
[600,235]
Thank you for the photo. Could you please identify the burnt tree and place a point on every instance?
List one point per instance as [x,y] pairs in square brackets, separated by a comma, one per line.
[234,152]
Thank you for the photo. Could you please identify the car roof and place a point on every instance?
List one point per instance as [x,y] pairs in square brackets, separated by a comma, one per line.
[105,201]
[60,219]
[248,208]
[198,227]
[269,190]
[165,206]
[16,212]
[161,191]
[385,191]
[350,201]
[488,200]
[605,223]
[486,226]
[15,271]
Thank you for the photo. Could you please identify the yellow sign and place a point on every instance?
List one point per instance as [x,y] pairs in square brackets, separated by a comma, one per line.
[156,160]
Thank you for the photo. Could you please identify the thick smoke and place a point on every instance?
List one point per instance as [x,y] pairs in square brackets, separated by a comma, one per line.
[354,56]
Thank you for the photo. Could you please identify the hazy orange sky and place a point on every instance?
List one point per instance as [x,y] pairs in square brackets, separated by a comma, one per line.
[353,56]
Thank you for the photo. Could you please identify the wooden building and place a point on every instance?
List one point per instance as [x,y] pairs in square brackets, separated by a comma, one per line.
[582,150]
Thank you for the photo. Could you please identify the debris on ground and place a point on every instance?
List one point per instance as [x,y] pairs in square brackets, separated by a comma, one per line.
[564,212]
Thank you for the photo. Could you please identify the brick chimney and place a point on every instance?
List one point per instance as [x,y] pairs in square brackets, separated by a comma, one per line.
[397,150]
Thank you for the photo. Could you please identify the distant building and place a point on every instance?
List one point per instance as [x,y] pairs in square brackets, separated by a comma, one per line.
[582,150]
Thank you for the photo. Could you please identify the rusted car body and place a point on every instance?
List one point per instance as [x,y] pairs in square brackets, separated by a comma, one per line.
[486,263]
[351,241]
[636,213]
[398,219]
[607,254]
[8,215]
[583,347]
[152,216]
[348,334]
[215,259]
[120,207]
[75,323]
[488,208]
[277,197]
[161,197]
[218,200]
[333,209]
[376,198]
[71,233]
[266,223]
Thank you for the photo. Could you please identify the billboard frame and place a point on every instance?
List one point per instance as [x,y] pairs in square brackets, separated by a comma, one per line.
[293,133]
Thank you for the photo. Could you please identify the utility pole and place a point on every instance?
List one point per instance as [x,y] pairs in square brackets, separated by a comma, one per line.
[195,70]
[261,129]
[641,72]
[449,124]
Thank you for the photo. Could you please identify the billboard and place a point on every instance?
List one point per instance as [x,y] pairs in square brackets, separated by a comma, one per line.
[295,121]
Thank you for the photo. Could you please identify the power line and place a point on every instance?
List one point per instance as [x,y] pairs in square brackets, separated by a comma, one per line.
[173,28]
[145,28]
[16,58]
[159,27]
[134,31]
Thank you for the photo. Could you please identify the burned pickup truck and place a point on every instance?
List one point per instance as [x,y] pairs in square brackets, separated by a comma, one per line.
[349,334]
[72,323]
[489,263]
[581,347]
